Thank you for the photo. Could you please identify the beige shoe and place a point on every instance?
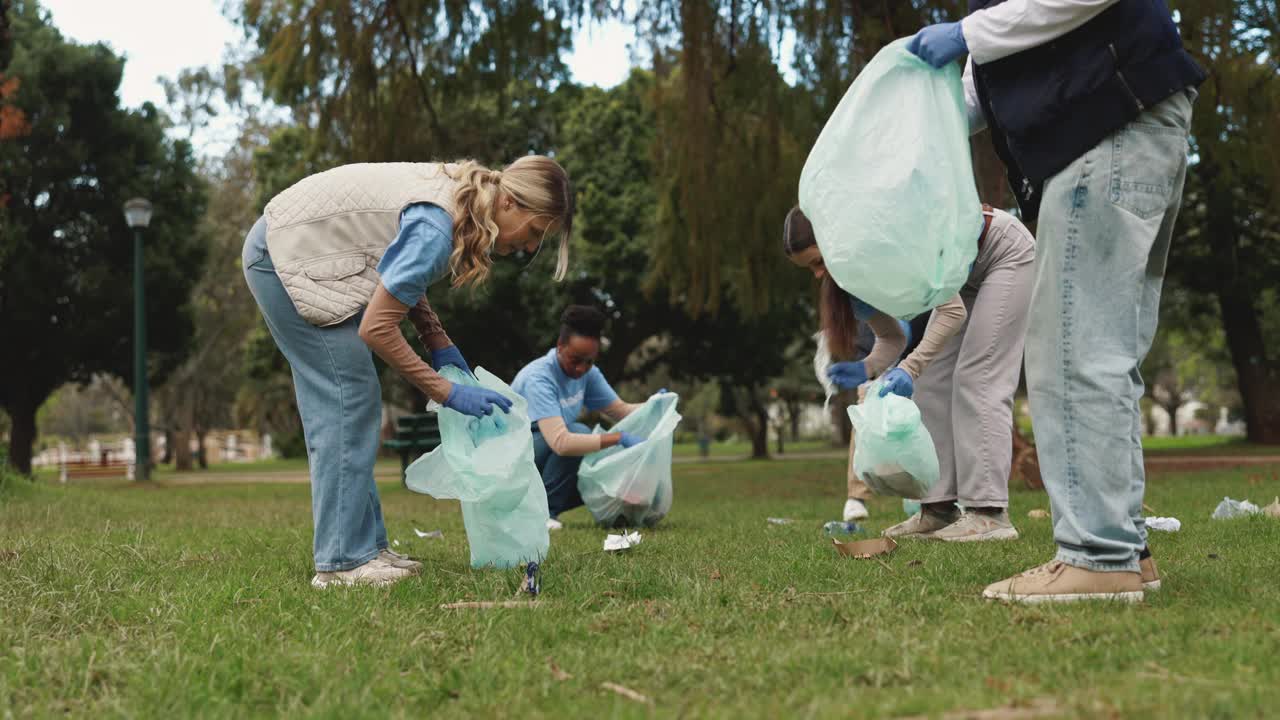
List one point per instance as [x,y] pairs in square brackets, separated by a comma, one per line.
[922,525]
[1059,582]
[1150,576]
[854,509]
[400,560]
[978,526]
[375,572]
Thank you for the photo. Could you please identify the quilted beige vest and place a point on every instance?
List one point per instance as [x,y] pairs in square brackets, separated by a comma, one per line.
[327,232]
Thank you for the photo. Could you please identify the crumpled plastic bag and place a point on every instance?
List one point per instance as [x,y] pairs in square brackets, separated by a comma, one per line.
[487,463]
[1229,508]
[889,186]
[634,483]
[893,451]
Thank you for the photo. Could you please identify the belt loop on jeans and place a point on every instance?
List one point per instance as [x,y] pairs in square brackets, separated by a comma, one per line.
[987,213]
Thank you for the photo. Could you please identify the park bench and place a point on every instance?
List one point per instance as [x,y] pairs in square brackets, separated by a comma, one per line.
[79,469]
[415,435]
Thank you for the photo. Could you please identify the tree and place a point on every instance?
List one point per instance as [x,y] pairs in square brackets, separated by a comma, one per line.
[1225,243]
[65,251]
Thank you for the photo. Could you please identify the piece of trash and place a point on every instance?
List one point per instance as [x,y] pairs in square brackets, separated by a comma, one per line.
[1039,514]
[554,524]
[488,605]
[715,575]
[395,543]
[433,534]
[7,555]
[910,507]
[836,527]
[1272,510]
[1164,524]
[780,521]
[1229,508]
[556,672]
[915,563]
[615,543]
[625,692]
[531,584]
[864,549]
[1213,556]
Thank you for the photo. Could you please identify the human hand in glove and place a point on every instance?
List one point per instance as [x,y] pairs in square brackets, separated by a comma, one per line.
[939,44]
[628,440]
[848,375]
[476,401]
[449,355]
[898,382]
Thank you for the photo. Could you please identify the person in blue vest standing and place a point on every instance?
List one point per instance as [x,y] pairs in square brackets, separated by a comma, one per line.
[1089,105]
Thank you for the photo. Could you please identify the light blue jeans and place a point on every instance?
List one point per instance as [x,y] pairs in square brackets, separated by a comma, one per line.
[340,401]
[1102,244]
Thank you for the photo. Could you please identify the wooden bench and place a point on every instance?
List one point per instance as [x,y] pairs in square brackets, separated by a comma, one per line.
[85,469]
[415,435]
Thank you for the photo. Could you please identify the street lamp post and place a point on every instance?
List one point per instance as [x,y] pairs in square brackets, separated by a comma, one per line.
[137,212]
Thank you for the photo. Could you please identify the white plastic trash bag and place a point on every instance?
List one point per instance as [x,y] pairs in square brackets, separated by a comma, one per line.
[487,463]
[889,186]
[893,452]
[634,482]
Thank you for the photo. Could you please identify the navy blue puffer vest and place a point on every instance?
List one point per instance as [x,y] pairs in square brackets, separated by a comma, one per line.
[1048,105]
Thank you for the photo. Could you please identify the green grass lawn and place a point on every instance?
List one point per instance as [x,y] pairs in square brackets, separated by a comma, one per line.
[1208,445]
[743,448]
[123,600]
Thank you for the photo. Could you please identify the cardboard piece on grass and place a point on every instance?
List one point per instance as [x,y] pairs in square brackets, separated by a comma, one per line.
[1272,510]
[865,549]
[1038,514]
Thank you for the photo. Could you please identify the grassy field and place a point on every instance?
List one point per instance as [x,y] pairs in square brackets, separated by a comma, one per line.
[120,600]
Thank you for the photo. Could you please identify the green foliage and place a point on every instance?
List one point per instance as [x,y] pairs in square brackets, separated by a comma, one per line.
[65,251]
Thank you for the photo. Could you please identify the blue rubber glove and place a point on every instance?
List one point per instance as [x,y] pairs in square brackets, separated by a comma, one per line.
[939,44]
[898,382]
[450,355]
[629,440]
[848,375]
[475,401]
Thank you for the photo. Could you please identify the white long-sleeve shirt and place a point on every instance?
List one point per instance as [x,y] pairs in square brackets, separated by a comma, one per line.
[1014,26]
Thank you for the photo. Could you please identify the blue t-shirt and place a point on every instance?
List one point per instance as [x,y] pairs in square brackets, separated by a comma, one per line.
[550,392]
[419,255]
[863,313]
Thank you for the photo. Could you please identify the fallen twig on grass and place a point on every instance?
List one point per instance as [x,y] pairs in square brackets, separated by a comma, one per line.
[625,692]
[488,605]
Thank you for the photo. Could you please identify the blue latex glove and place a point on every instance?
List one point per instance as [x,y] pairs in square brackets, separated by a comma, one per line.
[939,44]
[863,311]
[629,440]
[450,355]
[898,382]
[848,375]
[475,401]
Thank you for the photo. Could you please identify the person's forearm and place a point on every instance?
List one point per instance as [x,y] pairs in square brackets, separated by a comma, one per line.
[890,342]
[570,444]
[619,409]
[1016,25]
[947,320]
[427,323]
[380,330]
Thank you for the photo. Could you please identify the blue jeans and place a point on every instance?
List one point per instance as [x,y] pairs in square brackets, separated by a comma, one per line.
[1102,243]
[340,401]
[559,474]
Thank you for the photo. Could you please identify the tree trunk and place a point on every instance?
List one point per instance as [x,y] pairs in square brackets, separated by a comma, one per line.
[22,435]
[168,447]
[760,426]
[793,414]
[1258,381]
[186,416]
[201,456]
[1172,410]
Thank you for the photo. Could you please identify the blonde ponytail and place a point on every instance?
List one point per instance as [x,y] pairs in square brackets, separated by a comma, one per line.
[535,182]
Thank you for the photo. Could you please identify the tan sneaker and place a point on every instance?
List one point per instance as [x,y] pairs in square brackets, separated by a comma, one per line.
[854,509]
[1150,576]
[400,560]
[375,572]
[978,526]
[922,525]
[1059,582]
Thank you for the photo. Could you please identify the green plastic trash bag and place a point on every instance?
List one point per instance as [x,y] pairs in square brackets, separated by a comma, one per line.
[893,452]
[634,483]
[889,186]
[487,463]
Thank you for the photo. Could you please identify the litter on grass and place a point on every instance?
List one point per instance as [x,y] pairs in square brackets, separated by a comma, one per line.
[617,543]
[865,549]
[1164,524]
[1229,508]
[780,521]
[438,534]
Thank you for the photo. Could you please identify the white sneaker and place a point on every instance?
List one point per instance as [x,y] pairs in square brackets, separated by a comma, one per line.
[395,559]
[554,524]
[855,509]
[375,572]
